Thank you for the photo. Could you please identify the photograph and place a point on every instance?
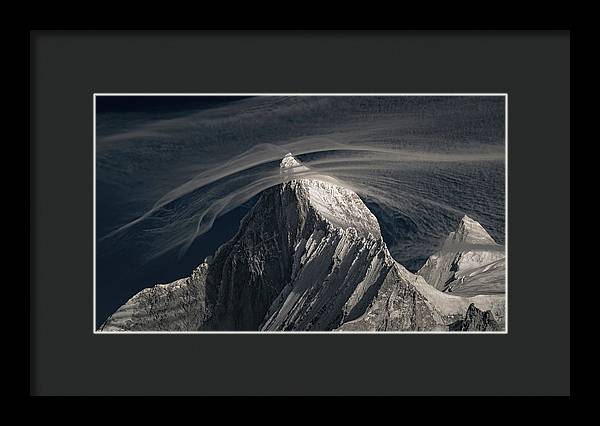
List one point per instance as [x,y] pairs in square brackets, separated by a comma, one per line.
[300,213]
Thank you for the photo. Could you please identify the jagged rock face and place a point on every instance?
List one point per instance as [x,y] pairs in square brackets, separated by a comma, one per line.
[178,306]
[238,284]
[476,320]
[328,268]
[304,259]
[461,266]
[398,306]
[250,270]
[308,256]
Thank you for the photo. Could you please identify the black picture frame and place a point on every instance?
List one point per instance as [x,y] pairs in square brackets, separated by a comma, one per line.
[67,67]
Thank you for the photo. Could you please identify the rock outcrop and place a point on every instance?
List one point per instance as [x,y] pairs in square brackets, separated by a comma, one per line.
[178,306]
[476,320]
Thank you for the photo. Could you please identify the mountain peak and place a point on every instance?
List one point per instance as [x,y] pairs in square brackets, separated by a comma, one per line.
[290,165]
[289,161]
[467,219]
[329,198]
[470,231]
[340,206]
[466,251]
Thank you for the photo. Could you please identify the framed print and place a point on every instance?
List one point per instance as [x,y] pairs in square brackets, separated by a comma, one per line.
[330,213]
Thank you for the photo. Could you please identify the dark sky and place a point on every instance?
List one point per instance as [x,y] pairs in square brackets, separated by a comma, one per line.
[158,104]
[119,275]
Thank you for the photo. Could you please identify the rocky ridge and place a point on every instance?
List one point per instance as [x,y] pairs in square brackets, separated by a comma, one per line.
[309,256]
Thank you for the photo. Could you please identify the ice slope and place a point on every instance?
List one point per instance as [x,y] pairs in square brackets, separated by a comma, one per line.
[470,262]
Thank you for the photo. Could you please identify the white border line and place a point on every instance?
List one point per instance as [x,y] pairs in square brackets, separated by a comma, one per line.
[505,331]
[506,212]
[94,213]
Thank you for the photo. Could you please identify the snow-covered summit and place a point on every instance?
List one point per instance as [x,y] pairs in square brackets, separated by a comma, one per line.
[289,161]
[466,253]
[338,205]
[470,231]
